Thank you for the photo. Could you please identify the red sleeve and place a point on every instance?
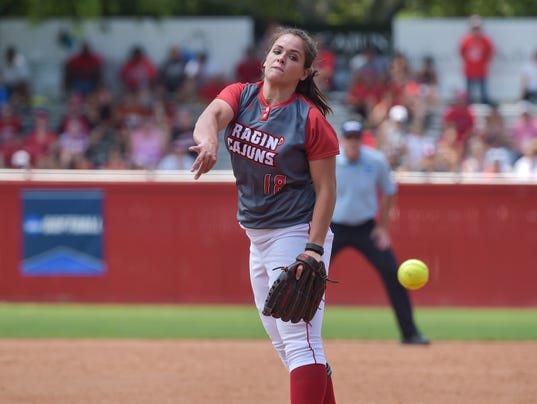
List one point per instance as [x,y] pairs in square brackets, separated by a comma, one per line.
[232,94]
[321,138]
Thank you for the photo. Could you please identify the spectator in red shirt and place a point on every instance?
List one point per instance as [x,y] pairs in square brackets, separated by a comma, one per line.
[75,109]
[459,120]
[10,149]
[40,143]
[476,50]
[249,69]
[138,72]
[364,93]
[11,136]
[325,64]
[82,71]
[10,124]
[212,88]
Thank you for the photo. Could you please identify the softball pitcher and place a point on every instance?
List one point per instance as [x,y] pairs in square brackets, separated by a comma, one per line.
[282,152]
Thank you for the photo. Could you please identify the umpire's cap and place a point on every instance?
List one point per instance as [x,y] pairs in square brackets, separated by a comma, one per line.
[352,128]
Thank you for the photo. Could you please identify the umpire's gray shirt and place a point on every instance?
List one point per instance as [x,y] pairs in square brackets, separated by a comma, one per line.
[358,183]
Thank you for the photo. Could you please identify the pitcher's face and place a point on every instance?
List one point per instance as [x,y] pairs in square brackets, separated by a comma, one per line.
[351,146]
[285,61]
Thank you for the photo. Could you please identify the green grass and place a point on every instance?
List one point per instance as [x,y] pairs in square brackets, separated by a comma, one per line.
[186,321]
[436,323]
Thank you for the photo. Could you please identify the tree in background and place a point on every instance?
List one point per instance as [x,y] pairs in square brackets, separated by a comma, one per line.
[292,11]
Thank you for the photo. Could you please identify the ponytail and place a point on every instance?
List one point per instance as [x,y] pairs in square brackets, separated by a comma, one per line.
[309,89]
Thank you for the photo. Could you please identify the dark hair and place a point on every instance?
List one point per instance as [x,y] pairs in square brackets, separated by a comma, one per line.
[307,87]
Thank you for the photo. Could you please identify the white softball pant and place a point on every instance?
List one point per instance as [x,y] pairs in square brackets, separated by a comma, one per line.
[297,344]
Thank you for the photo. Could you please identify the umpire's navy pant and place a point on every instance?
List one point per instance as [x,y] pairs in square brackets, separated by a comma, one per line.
[384,261]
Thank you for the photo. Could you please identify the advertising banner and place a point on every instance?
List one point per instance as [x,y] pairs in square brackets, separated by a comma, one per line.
[62,232]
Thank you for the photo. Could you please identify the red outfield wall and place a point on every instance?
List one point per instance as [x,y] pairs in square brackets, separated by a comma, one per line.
[178,242]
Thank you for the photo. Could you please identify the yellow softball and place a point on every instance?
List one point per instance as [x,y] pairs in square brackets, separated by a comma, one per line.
[413,274]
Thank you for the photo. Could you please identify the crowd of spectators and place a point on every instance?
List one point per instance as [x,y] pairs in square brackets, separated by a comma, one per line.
[148,123]
[417,132]
[469,133]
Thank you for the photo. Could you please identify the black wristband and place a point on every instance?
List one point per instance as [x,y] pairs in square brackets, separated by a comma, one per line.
[315,247]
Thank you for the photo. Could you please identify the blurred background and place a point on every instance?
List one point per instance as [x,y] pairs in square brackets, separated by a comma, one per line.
[87,78]
[114,87]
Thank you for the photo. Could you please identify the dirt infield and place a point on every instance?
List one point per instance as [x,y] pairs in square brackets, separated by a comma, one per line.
[241,372]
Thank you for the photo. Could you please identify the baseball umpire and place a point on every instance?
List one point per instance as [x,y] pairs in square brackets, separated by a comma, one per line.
[363,183]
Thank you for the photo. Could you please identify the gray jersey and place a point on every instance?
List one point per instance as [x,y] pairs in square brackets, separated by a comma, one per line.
[270,147]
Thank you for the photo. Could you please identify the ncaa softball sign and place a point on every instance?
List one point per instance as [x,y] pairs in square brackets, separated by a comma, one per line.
[62,232]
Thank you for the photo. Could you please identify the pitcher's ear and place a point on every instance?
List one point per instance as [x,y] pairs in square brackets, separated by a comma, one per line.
[306,74]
